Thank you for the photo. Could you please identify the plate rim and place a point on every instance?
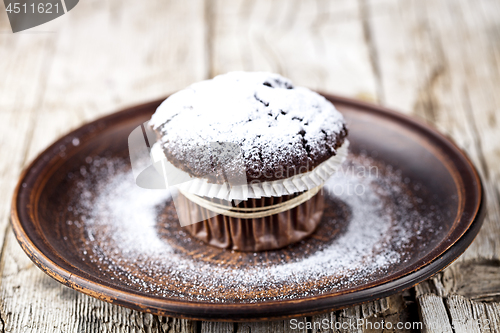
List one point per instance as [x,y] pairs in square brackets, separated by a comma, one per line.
[265,310]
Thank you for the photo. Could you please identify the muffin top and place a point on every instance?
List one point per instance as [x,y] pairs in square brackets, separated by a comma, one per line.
[273,129]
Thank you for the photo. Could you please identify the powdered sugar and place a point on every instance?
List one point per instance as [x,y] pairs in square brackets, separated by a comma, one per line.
[273,123]
[133,236]
[201,187]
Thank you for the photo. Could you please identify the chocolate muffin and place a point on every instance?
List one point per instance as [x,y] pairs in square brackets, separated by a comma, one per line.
[250,153]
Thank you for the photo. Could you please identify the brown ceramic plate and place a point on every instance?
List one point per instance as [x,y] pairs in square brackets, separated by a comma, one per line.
[428,196]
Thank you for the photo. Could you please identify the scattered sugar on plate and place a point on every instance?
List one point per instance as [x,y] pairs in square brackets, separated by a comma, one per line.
[132,235]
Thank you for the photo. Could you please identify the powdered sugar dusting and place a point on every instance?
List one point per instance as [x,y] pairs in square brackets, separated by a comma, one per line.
[273,122]
[133,236]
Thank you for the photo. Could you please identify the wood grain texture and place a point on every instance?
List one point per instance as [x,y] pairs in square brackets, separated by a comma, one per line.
[439,60]
[450,64]
[317,43]
[73,83]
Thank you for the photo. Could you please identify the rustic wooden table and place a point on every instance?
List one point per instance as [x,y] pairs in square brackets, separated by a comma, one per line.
[435,59]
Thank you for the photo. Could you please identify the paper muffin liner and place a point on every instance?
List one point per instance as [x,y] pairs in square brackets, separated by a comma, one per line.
[184,182]
[255,234]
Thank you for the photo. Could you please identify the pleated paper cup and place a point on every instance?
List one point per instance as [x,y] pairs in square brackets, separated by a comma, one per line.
[250,217]
[253,234]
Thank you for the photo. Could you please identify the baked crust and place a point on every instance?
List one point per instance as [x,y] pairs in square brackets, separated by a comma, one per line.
[280,130]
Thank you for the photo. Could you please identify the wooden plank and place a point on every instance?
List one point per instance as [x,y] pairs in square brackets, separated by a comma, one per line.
[493,314]
[207,327]
[458,97]
[146,57]
[436,49]
[433,314]
[485,287]
[329,318]
[316,44]
[19,100]
[462,316]
[22,89]
[450,69]
[282,326]
[481,76]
